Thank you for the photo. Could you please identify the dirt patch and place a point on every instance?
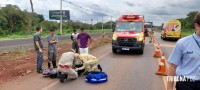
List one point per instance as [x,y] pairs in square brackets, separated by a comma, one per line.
[21,63]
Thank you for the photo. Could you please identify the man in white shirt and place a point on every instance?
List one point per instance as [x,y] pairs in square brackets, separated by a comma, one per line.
[74,40]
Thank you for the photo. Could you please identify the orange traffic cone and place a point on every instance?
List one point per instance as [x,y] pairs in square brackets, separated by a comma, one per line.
[162,66]
[157,52]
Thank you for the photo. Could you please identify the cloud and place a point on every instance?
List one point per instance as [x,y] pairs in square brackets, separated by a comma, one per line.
[130,4]
[157,11]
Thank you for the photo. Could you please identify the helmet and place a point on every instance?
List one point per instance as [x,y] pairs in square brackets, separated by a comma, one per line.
[46,73]
[53,73]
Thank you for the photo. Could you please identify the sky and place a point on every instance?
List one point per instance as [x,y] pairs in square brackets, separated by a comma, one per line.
[156,11]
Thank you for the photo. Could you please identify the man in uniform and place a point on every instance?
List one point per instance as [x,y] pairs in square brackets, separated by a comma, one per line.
[184,61]
[66,64]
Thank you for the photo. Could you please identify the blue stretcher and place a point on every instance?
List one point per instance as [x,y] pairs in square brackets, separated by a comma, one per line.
[96,77]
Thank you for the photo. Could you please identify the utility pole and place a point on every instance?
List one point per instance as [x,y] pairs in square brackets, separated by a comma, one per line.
[102,24]
[91,21]
[111,22]
[61,17]
[31,17]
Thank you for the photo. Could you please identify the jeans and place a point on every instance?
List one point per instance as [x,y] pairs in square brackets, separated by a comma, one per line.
[52,58]
[75,46]
[39,60]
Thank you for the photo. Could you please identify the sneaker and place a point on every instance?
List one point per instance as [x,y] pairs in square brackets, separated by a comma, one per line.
[40,71]
[62,78]
[55,67]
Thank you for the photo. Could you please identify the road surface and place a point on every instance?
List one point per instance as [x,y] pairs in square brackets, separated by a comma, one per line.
[18,44]
[126,71]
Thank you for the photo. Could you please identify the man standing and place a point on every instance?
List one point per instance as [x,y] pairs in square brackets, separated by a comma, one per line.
[84,41]
[52,41]
[38,48]
[184,62]
[74,41]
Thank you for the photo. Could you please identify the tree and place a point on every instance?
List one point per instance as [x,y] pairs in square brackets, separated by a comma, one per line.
[13,15]
[187,22]
[14,20]
[30,19]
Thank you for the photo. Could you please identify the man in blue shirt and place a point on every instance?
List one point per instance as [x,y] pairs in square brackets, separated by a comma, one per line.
[184,61]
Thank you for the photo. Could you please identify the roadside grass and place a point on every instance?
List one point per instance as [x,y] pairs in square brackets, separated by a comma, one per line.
[184,33]
[45,33]
[187,32]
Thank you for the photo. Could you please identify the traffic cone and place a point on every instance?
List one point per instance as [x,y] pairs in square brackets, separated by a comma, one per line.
[162,66]
[157,52]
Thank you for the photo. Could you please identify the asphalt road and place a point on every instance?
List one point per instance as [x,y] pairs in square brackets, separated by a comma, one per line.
[18,44]
[126,71]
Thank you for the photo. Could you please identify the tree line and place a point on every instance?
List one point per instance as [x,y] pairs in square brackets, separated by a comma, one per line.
[187,23]
[13,20]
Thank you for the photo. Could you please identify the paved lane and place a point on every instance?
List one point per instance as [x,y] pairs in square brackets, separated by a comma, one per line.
[166,45]
[126,71]
[19,44]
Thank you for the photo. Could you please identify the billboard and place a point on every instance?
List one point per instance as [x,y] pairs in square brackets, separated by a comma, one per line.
[55,14]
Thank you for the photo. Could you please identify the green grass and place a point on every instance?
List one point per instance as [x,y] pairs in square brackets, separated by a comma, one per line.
[187,32]
[45,33]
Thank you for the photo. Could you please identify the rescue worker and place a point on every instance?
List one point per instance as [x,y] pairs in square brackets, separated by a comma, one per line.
[66,64]
[74,40]
[89,63]
[151,32]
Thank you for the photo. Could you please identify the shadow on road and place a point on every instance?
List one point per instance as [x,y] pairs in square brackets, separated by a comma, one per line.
[171,40]
[120,52]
